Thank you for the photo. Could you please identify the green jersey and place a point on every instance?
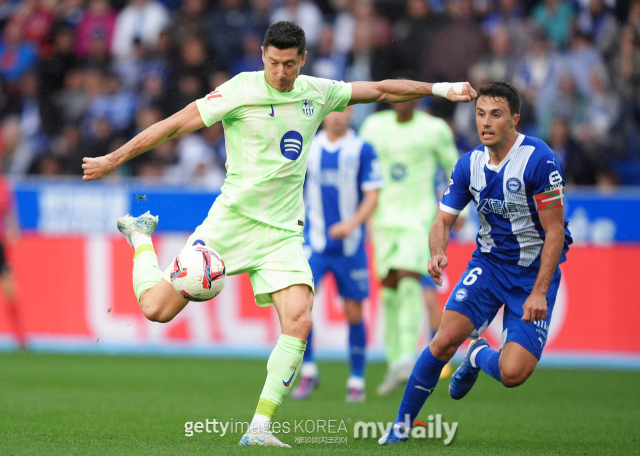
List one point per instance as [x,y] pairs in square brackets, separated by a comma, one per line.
[409,153]
[267,136]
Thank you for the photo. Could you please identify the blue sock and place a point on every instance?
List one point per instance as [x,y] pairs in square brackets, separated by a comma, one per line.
[357,341]
[308,353]
[423,380]
[487,360]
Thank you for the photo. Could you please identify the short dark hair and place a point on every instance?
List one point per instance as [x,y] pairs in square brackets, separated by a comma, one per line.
[285,35]
[502,89]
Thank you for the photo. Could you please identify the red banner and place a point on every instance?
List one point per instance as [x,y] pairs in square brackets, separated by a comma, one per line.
[79,289]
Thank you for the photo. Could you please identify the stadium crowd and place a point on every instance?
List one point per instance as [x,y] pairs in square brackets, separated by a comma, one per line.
[81,77]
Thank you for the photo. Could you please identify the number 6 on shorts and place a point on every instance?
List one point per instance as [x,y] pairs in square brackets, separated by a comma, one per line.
[472,277]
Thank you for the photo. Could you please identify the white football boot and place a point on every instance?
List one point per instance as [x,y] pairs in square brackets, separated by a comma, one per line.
[261,437]
[145,224]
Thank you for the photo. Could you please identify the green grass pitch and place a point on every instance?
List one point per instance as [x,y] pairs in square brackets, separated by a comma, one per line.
[81,405]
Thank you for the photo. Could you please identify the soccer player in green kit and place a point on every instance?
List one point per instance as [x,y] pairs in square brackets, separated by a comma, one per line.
[269,118]
[410,145]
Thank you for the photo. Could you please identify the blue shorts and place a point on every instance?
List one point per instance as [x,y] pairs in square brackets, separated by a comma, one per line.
[487,284]
[351,273]
[427,282]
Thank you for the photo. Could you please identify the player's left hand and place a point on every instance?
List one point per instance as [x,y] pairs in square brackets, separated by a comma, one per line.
[340,230]
[534,308]
[468,93]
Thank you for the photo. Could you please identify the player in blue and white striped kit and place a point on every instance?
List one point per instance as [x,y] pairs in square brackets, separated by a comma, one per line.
[516,184]
[341,192]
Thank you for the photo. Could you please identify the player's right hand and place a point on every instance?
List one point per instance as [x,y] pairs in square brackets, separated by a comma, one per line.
[437,263]
[96,168]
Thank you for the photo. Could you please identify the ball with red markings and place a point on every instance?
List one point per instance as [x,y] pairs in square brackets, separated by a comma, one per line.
[198,273]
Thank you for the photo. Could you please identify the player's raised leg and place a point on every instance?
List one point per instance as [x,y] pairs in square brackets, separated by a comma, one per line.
[454,329]
[293,305]
[158,300]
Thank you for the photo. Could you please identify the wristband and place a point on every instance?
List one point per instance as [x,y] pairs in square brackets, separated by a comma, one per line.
[441,89]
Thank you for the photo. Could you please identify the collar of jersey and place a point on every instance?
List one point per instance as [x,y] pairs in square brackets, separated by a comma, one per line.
[334,146]
[498,168]
[273,92]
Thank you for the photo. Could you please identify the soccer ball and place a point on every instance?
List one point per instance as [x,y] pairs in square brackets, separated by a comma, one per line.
[198,273]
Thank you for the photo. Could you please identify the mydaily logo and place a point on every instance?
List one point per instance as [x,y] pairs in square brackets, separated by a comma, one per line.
[433,429]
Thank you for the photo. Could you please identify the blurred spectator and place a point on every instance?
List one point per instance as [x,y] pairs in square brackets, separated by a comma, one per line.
[568,103]
[500,63]
[625,65]
[196,163]
[194,61]
[344,25]
[16,56]
[190,20]
[141,19]
[99,56]
[418,26]
[53,69]
[260,16]
[305,13]
[601,25]
[251,57]
[607,181]
[35,20]
[458,45]
[227,25]
[99,21]
[555,17]
[324,61]
[115,105]
[68,151]
[577,166]
[580,59]
[510,15]
[72,101]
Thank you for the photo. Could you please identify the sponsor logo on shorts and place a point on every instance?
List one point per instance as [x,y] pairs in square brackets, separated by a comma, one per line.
[461,294]
[514,185]
[291,145]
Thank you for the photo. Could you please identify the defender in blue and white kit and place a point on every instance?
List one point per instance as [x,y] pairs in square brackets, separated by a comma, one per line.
[516,184]
[341,192]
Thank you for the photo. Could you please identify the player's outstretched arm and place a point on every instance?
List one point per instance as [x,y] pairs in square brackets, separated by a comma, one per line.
[438,241]
[399,90]
[552,221]
[184,121]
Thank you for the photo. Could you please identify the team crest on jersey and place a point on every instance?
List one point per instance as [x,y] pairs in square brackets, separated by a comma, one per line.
[398,172]
[514,185]
[307,107]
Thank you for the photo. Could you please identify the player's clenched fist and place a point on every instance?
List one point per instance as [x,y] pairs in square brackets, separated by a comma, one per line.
[96,168]
[437,263]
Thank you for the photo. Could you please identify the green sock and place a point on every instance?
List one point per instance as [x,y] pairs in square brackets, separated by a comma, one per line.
[411,315]
[146,272]
[282,369]
[391,324]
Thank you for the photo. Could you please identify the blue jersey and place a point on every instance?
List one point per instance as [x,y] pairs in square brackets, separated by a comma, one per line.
[338,174]
[505,199]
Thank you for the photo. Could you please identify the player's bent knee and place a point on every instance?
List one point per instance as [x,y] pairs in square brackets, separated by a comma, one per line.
[443,346]
[514,377]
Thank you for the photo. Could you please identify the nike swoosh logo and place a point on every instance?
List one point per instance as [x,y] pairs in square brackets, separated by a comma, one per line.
[272,112]
[425,389]
[261,441]
[289,382]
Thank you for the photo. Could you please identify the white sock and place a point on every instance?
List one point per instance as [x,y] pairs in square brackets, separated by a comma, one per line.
[309,369]
[259,423]
[138,239]
[355,382]
[472,358]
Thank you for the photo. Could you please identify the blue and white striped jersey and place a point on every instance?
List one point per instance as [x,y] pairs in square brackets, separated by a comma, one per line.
[338,174]
[504,196]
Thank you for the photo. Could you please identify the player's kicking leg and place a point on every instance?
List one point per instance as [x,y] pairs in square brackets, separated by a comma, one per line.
[454,329]
[158,300]
[293,305]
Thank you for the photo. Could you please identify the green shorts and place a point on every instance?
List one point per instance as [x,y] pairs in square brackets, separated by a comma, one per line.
[406,250]
[272,256]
